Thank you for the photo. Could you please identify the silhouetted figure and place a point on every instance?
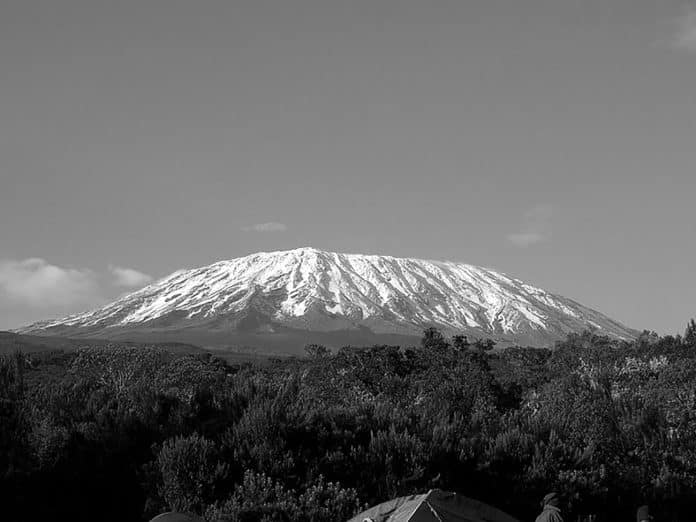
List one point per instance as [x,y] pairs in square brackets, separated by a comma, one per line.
[551,511]
[643,514]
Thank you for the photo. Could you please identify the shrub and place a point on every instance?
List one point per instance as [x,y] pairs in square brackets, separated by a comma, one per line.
[190,471]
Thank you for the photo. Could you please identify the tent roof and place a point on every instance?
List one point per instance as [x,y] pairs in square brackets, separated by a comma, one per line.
[433,506]
[176,517]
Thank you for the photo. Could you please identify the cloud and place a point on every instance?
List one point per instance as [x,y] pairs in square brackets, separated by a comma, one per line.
[525,239]
[536,227]
[266,227]
[36,283]
[685,36]
[128,277]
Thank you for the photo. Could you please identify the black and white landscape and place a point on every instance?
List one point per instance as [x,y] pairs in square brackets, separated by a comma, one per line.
[347,260]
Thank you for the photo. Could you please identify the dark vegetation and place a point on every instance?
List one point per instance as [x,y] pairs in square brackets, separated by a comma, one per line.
[123,433]
[11,342]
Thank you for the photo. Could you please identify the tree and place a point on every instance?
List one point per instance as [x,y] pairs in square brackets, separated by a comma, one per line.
[484,345]
[433,339]
[316,351]
[460,342]
[190,470]
[690,334]
[12,421]
[260,498]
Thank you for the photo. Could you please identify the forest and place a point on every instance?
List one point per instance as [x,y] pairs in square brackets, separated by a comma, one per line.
[125,433]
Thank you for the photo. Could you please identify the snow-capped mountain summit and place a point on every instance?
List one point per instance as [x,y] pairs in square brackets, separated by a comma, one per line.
[309,290]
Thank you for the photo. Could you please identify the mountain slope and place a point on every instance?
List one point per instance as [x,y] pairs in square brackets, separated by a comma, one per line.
[308,290]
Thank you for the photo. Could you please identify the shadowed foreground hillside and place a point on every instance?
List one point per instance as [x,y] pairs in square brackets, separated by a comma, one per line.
[123,433]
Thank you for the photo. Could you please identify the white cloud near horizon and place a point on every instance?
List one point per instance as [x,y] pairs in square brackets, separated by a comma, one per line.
[266,227]
[685,36]
[536,227]
[34,289]
[36,283]
[128,277]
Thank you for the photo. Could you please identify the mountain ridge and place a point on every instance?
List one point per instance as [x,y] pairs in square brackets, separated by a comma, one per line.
[311,290]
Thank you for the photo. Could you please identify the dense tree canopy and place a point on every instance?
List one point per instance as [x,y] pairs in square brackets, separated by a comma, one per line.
[131,432]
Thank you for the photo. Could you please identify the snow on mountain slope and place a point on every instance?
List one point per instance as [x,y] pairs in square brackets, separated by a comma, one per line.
[309,289]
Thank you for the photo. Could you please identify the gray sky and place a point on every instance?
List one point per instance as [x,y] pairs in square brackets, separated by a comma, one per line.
[554,140]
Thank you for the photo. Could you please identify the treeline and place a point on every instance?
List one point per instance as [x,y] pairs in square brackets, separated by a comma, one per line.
[120,433]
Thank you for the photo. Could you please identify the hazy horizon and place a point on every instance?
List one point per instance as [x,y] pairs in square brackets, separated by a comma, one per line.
[549,140]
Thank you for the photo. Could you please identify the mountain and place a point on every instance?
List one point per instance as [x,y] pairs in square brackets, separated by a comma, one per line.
[289,298]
